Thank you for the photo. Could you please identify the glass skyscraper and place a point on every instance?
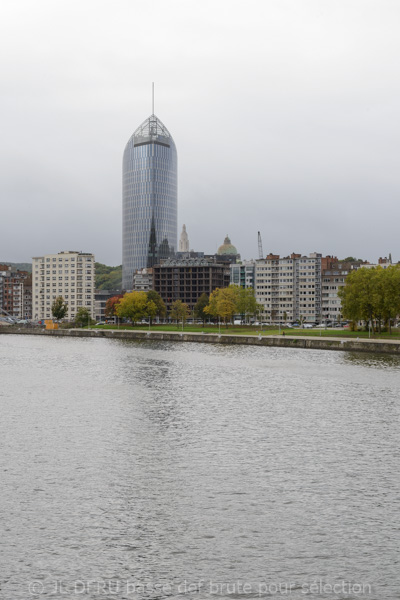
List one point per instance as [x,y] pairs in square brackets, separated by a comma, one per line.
[150,199]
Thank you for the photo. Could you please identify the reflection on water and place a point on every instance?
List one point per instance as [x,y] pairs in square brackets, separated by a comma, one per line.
[380,361]
[169,469]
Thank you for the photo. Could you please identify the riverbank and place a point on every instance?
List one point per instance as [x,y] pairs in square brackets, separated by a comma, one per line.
[287,341]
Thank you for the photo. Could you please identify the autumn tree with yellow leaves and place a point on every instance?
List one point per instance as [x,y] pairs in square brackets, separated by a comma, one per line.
[132,306]
[223,303]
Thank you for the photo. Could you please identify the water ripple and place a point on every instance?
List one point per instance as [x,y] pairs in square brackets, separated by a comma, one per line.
[175,469]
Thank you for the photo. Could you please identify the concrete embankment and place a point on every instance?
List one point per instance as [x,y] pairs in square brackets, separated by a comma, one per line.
[314,343]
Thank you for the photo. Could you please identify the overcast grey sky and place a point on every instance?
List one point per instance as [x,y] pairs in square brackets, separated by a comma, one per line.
[285,115]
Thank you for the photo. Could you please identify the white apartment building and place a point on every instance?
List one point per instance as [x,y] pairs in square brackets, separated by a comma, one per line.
[332,280]
[331,303]
[68,274]
[289,288]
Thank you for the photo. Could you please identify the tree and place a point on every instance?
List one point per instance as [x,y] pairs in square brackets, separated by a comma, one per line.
[132,306]
[223,303]
[151,310]
[379,293]
[212,307]
[226,308]
[372,295]
[246,301]
[83,317]
[357,295]
[158,301]
[350,259]
[200,305]
[179,311]
[111,305]
[391,302]
[259,310]
[59,308]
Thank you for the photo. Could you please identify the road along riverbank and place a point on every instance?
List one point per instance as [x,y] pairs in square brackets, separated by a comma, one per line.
[287,341]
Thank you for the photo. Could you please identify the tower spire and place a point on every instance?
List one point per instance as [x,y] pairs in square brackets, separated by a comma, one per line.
[152,98]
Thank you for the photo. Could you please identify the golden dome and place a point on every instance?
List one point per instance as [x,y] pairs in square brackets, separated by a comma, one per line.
[227,247]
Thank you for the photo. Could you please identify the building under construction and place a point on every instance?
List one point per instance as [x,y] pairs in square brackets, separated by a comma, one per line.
[188,279]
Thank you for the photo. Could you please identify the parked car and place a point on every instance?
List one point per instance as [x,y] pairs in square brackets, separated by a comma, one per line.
[307,326]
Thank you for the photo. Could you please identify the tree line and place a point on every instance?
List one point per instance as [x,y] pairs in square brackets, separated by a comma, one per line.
[223,304]
[136,306]
[372,295]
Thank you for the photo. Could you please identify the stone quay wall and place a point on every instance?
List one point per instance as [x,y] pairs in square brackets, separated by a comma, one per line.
[307,342]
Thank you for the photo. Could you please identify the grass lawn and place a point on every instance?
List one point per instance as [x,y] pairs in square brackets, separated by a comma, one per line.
[243,330]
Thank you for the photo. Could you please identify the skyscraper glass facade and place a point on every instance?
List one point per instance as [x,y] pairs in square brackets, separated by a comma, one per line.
[150,201]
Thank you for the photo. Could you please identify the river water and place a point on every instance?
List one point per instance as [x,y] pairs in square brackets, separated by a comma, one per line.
[165,470]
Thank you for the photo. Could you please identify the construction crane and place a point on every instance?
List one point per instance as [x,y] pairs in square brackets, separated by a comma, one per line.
[260,250]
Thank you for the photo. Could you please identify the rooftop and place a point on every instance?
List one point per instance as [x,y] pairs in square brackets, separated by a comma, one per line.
[152,129]
[227,247]
[187,262]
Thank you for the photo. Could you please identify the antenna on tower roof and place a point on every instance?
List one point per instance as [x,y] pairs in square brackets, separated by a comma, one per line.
[153,97]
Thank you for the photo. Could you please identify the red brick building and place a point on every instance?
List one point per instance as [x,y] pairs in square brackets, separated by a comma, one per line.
[16,292]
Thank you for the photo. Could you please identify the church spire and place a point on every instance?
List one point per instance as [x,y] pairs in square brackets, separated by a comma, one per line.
[184,241]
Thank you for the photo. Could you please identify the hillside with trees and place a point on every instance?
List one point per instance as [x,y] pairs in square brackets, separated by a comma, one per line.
[108,278]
